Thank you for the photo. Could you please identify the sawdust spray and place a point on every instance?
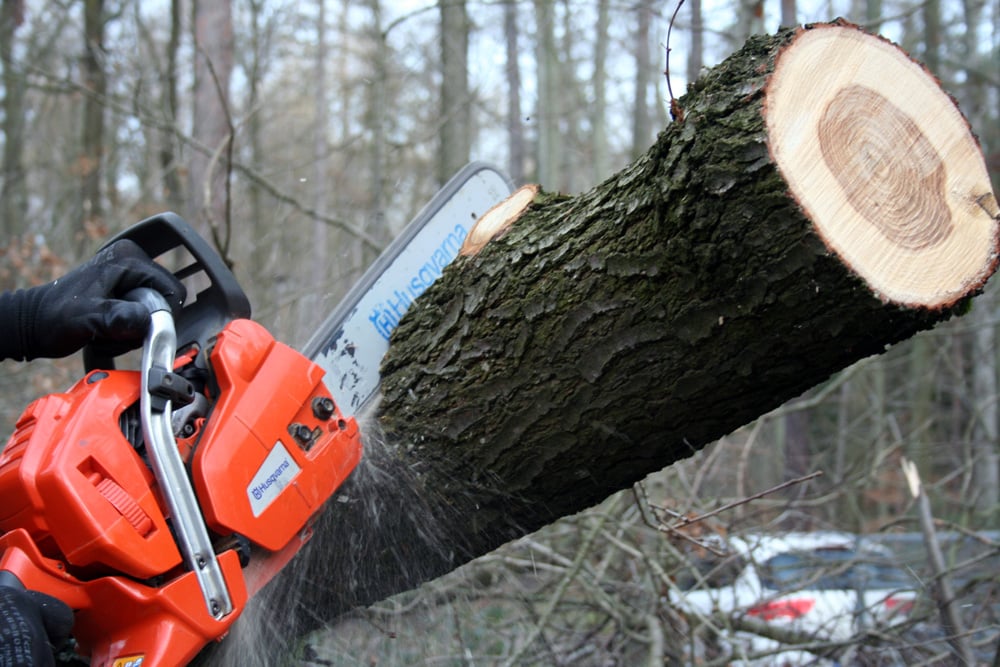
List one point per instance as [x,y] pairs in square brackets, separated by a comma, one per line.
[380,533]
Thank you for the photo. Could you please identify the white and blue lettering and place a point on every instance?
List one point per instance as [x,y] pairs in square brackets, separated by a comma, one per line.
[275,473]
[386,314]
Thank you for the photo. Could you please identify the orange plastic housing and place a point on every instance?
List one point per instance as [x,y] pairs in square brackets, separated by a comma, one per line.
[70,478]
[118,618]
[267,390]
[82,517]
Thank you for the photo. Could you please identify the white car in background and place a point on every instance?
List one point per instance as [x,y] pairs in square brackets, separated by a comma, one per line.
[827,587]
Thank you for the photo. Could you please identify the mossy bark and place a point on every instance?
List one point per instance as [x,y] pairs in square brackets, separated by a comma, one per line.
[598,339]
[607,335]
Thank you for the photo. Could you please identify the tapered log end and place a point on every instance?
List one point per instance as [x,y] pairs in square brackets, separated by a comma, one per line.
[885,166]
[498,219]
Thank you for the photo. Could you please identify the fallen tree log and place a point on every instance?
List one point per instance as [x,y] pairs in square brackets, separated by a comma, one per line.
[817,198]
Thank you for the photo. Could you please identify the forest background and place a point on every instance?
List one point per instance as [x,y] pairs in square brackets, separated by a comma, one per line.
[301,136]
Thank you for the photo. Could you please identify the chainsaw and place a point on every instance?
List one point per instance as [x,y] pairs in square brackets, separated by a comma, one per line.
[156,501]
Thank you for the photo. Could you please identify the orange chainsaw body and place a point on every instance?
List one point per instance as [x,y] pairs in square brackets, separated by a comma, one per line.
[83,518]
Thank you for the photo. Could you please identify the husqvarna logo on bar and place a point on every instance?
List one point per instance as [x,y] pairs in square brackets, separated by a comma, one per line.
[386,313]
[277,472]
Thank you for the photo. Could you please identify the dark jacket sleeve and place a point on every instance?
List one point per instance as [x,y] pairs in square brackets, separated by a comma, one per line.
[13,307]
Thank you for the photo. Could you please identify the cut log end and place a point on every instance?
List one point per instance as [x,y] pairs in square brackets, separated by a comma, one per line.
[885,166]
[498,219]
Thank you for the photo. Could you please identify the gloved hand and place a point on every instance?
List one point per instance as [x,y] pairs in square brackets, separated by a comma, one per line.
[85,307]
[32,626]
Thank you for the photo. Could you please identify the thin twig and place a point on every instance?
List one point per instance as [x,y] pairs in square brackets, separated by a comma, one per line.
[687,521]
[650,519]
[675,109]
[553,602]
[941,589]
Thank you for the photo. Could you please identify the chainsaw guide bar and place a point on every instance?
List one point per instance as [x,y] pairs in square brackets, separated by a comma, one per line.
[350,345]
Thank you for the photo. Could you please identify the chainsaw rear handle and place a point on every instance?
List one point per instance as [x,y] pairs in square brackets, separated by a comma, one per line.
[214,296]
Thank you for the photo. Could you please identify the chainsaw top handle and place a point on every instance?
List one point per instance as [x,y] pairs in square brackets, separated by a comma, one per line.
[214,296]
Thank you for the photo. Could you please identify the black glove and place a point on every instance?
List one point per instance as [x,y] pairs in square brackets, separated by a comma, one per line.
[32,626]
[85,307]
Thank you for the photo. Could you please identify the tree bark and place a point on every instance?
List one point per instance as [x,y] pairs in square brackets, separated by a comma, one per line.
[818,199]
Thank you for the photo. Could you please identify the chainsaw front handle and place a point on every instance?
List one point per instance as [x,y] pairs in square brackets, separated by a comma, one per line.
[160,388]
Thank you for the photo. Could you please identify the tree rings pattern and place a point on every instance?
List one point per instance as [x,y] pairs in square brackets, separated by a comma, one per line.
[889,171]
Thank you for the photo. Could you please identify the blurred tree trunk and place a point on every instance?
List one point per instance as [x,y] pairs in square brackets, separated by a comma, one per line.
[13,181]
[749,19]
[376,121]
[213,67]
[985,458]
[350,252]
[848,507]
[548,151]
[456,106]
[642,126]
[262,255]
[874,447]
[873,15]
[169,159]
[318,246]
[600,163]
[797,449]
[598,338]
[789,16]
[979,93]
[920,403]
[975,80]
[515,124]
[573,102]
[931,12]
[91,160]
[695,53]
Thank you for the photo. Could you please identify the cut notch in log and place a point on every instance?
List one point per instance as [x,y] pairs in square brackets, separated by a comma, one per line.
[498,219]
[884,164]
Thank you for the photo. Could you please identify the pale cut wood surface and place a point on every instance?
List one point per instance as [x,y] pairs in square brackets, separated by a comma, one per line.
[884,164]
[498,219]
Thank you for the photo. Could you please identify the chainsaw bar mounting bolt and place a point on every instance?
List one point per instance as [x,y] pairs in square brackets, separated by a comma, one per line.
[323,408]
[303,435]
